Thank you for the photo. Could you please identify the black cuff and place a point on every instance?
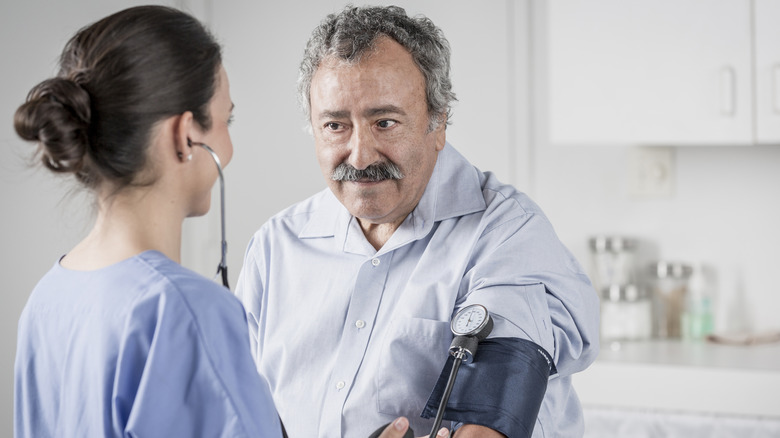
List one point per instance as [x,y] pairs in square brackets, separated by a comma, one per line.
[502,389]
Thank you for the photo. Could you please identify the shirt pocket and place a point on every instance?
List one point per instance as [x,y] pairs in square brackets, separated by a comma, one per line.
[414,352]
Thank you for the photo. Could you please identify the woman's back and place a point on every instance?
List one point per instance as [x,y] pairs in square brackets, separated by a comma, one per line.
[143,347]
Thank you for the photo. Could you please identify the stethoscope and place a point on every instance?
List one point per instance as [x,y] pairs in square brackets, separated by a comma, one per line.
[222,268]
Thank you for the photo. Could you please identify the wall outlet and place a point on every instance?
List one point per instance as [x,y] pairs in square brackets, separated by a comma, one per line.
[651,172]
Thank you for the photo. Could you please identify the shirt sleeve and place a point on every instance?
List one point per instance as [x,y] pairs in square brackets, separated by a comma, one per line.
[535,290]
[249,290]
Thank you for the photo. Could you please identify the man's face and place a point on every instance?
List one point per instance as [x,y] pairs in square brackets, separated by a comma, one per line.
[374,113]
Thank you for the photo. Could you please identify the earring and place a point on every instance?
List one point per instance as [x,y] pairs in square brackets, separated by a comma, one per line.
[189,143]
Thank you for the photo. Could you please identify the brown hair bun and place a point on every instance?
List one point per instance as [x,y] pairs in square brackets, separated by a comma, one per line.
[56,115]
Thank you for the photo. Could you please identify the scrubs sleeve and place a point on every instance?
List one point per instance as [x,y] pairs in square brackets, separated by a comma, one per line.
[192,370]
[502,388]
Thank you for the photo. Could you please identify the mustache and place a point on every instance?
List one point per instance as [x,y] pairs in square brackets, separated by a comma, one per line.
[374,172]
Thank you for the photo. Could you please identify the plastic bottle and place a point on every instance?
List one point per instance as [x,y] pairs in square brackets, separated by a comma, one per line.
[697,317]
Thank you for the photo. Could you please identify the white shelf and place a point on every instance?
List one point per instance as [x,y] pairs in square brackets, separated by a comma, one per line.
[685,376]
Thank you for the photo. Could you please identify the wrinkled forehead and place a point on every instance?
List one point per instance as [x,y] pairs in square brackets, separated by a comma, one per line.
[385,59]
[352,52]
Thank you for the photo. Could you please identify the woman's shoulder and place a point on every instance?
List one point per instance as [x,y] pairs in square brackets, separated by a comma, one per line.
[177,283]
[178,294]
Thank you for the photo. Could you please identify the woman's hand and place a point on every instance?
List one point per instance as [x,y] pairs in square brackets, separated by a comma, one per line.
[398,428]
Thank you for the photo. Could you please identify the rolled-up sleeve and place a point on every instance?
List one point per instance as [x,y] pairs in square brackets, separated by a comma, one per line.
[545,312]
[536,290]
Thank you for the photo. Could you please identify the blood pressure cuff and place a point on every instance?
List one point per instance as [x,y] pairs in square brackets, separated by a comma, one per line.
[502,388]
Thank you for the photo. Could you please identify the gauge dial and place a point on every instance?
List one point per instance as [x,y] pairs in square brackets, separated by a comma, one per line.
[470,320]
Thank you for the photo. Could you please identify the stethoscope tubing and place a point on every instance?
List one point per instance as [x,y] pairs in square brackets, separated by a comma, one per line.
[222,268]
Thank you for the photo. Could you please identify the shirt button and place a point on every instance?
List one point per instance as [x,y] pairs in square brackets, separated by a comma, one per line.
[360,323]
[375,262]
[340,385]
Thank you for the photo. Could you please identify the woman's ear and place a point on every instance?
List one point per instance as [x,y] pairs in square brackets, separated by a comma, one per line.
[184,129]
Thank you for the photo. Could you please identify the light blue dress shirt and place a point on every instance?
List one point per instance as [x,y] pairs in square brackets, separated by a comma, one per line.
[350,337]
[142,348]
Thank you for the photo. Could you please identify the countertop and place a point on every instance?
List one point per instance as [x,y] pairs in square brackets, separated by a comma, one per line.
[685,376]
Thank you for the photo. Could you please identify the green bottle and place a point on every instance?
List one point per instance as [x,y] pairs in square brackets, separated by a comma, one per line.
[697,320]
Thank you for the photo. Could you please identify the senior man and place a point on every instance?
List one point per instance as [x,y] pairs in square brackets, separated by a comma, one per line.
[350,293]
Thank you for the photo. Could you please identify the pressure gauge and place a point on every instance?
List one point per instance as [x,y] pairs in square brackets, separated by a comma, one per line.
[473,320]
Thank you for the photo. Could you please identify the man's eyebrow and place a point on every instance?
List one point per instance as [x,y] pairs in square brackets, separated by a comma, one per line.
[371,112]
[335,114]
[382,110]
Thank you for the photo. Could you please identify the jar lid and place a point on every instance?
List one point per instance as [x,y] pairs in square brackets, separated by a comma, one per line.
[664,269]
[623,292]
[612,243]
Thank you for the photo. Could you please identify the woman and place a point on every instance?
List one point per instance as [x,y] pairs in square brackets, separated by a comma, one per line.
[118,339]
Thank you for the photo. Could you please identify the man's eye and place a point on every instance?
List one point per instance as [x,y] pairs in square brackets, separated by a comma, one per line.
[333,126]
[386,123]
[230,120]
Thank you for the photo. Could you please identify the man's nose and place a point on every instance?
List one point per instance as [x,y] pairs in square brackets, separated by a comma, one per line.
[363,148]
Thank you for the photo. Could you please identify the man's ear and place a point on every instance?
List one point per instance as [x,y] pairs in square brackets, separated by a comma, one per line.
[441,132]
[184,129]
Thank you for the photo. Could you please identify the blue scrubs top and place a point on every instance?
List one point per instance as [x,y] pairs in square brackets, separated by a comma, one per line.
[141,348]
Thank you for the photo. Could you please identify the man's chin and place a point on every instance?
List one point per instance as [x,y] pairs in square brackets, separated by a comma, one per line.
[360,189]
[368,214]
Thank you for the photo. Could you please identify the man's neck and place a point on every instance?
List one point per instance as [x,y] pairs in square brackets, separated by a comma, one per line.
[378,234]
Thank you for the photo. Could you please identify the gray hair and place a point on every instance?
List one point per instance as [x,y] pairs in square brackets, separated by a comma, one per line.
[354,31]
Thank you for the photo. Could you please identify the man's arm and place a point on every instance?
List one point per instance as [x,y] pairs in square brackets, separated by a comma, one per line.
[537,291]
[248,289]
[474,431]
[545,315]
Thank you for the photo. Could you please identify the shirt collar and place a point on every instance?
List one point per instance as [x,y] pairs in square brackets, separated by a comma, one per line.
[453,190]
[329,217]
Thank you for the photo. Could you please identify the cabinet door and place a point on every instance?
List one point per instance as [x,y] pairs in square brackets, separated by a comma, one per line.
[767,19]
[671,72]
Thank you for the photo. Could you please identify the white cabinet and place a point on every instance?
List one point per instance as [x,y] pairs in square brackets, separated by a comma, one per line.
[663,72]
[767,24]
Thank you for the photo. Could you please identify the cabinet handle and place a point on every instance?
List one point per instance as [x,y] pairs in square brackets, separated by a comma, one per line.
[776,88]
[727,91]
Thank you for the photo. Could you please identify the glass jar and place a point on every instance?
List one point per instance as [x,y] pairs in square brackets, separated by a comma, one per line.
[613,261]
[669,289]
[626,314]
